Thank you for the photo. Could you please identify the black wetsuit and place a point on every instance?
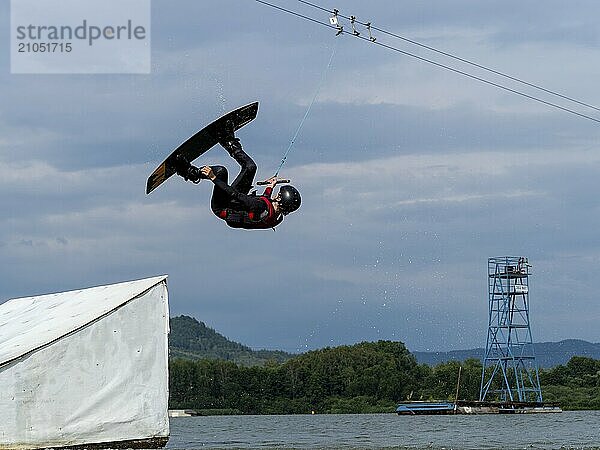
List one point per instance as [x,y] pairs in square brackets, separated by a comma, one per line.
[232,203]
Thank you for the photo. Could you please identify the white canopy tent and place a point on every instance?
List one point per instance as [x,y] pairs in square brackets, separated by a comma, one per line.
[86,368]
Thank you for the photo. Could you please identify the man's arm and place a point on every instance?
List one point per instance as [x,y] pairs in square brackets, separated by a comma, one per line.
[269,189]
[247,201]
[267,192]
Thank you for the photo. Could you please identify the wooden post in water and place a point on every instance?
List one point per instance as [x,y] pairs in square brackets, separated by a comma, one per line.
[457,387]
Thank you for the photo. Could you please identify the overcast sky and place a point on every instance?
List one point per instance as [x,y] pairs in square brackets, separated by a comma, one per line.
[411,175]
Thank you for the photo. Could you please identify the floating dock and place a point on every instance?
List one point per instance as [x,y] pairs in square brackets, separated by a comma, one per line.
[475,407]
[183,413]
[426,408]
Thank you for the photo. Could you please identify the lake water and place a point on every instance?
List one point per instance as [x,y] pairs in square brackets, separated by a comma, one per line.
[567,430]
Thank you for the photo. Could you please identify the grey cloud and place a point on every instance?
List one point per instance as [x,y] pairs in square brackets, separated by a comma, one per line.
[405,196]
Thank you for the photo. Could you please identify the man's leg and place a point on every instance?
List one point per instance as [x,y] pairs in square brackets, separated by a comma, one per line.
[220,200]
[243,181]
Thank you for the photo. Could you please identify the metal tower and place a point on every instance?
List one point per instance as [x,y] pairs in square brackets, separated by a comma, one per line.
[510,372]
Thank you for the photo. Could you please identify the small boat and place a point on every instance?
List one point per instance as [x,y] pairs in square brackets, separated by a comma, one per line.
[419,407]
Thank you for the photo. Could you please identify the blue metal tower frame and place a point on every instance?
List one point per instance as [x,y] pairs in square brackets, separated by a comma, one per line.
[510,372]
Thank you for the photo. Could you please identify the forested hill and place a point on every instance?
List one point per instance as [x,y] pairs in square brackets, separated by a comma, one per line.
[214,375]
[192,339]
[366,377]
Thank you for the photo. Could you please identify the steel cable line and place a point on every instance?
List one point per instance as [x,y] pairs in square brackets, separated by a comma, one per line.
[435,63]
[314,99]
[458,58]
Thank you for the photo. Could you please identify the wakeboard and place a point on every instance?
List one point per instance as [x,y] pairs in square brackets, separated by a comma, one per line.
[201,142]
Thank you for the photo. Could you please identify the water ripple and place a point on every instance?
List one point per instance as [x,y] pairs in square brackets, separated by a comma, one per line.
[567,431]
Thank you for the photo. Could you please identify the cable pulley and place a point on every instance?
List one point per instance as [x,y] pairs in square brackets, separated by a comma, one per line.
[352,20]
[371,38]
[333,20]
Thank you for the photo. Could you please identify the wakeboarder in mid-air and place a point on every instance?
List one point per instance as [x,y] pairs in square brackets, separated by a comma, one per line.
[231,202]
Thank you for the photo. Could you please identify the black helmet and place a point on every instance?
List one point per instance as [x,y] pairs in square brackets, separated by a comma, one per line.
[289,199]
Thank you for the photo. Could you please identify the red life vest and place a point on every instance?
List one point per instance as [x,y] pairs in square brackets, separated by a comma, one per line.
[249,219]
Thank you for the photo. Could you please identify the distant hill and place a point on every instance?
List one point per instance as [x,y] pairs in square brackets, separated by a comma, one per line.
[192,339]
[548,354]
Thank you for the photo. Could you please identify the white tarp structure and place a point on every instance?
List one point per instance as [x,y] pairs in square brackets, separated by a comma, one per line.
[86,367]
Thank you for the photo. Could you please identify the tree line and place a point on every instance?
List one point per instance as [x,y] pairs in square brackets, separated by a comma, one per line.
[362,378]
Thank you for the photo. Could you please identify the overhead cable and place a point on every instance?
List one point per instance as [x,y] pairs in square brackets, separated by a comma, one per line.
[370,39]
[457,58]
